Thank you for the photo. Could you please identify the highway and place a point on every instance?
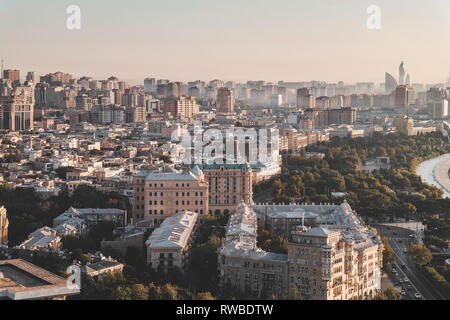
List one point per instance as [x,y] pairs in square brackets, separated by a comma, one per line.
[400,241]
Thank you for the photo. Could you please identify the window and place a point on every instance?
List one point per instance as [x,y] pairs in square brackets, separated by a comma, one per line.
[162,212]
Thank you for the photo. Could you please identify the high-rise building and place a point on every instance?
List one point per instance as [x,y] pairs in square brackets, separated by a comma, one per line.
[4,223]
[225,100]
[16,109]
[404,96]
[438,100]
[183,107]
[401,74]
[229,185]
[305,100]
[390,83]
[408,80]
[33,77]
[12,75]
[150,84]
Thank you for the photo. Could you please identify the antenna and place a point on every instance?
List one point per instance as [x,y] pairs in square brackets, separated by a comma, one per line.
[1,75]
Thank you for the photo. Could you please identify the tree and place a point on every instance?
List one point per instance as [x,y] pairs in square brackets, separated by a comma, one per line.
[388,253]
[389,294]
[420,254]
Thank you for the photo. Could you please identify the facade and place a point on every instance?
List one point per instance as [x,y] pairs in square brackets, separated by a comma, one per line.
[225,100]
[331,254]
[4,223]
[183,107]
[229,185]
[158,195]
[12,75]
[437,103]
[16,110]
[404,96]
[305,100]
[243,265]
[168,246]
[389,83]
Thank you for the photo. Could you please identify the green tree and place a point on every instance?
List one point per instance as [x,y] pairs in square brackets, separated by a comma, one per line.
[420,254]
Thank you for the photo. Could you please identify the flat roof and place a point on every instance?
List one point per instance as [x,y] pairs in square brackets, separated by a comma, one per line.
[20,280]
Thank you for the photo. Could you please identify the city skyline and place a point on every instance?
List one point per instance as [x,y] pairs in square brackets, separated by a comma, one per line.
[233,41]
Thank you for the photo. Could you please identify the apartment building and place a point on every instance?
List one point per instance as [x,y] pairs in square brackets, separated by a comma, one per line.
[160,194]
[246,267]
[229,185]
[168,246]
[183,107]
[331,254]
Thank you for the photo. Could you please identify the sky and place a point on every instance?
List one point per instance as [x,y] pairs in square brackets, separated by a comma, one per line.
[185,40]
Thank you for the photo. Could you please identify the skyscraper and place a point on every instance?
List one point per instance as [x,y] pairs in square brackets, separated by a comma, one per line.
[404,96]
[408,80]
[225,100]
[401,72]
[305,99]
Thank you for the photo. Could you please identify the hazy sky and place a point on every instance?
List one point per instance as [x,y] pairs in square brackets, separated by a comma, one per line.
[291,40]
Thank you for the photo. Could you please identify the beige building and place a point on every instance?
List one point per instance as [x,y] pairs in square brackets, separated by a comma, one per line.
[326,265]
[331,254]
[229,185]
[246,267]
[225,100]
[160,194]
[183,107]
[169,245]
[4,223]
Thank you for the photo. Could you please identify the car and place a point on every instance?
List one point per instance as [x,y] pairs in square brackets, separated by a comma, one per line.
[406,280]
[412,235]
[405,251]
[417,295]
[409,286]
[394,271]
[399,241]
[403,293]
[403,266]
[401,281]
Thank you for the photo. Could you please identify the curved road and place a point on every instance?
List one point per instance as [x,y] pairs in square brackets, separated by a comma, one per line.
[435,172]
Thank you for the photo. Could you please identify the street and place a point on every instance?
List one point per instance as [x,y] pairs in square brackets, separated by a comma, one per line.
[404,273]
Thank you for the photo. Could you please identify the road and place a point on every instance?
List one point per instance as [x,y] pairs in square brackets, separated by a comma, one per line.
[400,241]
